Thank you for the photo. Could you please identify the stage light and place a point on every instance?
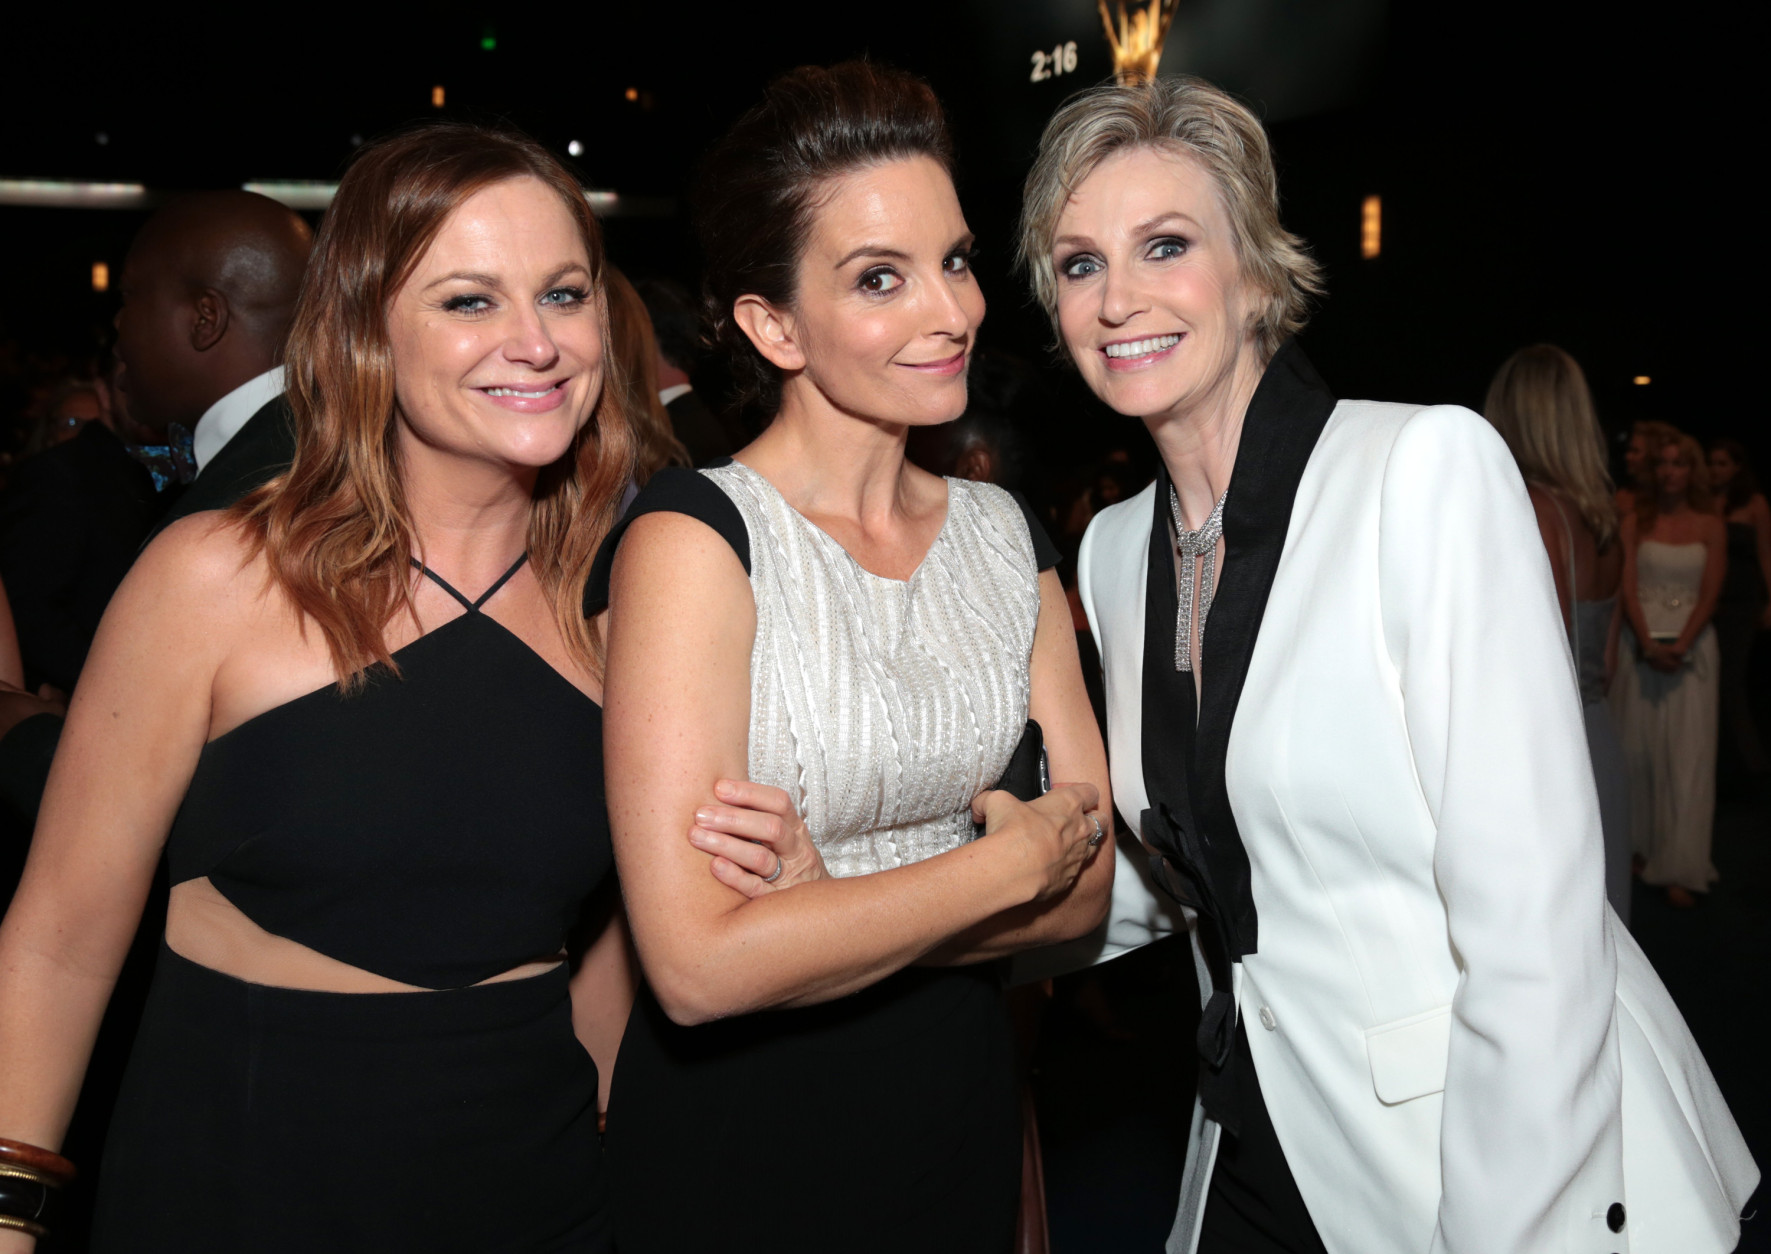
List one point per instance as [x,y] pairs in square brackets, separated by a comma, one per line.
[632,93]
[295,193]
[574,148]
[1641,380]
[436,96]
[1371,227]
[101,139]
[488,42]
[58,194]
[101,277]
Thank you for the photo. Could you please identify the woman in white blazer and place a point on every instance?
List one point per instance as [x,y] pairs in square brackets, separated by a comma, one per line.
[1353,745]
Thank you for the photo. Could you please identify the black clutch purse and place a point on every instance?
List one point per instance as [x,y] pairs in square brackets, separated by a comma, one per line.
[1028,774]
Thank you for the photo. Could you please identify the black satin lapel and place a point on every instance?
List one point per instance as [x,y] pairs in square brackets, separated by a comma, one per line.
[1169,712]
[1284,421]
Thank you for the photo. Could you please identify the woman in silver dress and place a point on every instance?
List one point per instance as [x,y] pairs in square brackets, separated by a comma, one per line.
[863,643]
[1540,404]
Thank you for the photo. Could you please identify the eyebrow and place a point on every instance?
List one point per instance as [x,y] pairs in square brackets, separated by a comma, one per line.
[897,254]
[487,280]
[1142,228]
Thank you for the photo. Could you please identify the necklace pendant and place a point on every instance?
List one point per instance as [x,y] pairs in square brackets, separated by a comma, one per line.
[1196,549]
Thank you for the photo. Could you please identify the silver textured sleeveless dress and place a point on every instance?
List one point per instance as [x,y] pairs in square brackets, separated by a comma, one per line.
[887,1120]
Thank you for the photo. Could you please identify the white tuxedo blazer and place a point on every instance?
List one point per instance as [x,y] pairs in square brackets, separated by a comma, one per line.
[1460,1047]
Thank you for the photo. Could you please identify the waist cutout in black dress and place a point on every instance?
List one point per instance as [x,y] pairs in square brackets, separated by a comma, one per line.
[438,828]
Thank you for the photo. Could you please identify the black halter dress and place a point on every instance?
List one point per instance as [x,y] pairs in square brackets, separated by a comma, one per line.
[438,828]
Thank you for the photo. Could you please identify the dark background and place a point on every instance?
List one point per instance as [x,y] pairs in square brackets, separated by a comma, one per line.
[1548,172]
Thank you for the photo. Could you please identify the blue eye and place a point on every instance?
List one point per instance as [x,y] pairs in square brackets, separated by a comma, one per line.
[565,297]
[468,304]
[1080,267]
[1167,249]
[880,280]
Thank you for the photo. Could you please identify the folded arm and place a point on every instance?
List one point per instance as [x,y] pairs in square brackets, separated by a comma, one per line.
[680,628]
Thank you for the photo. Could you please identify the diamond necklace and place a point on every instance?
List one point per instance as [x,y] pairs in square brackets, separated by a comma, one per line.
[1193,545]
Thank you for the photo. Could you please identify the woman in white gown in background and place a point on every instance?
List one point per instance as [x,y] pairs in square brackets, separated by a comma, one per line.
[1667,699]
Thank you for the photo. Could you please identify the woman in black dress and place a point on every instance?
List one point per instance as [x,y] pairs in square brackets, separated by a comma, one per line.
[364,704]
[1744,608]
[829,1067]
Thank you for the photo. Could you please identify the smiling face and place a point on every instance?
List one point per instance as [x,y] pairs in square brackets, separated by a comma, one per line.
[497,334]
[886,312]
[1152,303]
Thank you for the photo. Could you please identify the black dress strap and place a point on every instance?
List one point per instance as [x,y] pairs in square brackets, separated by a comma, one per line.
[470,606]
[672,490]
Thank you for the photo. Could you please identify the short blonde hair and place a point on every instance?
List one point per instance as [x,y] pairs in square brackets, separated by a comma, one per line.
[1186,115]
[1540,404]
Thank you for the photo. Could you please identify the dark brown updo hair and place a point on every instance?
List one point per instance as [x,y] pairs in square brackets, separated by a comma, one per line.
[759,187]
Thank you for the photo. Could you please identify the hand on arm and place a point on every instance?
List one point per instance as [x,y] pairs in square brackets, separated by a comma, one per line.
[680,629]
[133,734]
[758,840]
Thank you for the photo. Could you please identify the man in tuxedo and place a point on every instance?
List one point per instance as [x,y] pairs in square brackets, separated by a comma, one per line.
[677,327]
[208,290]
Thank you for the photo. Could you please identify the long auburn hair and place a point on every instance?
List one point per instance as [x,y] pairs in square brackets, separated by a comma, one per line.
[335,528]
[1540,404]
[635,346]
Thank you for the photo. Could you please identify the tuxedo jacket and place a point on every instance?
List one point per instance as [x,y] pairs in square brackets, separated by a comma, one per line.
[262,448]
[1393,841]
[258,451]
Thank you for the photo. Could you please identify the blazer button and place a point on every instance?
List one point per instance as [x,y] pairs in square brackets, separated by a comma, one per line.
[1614,1217]
[1272,1024]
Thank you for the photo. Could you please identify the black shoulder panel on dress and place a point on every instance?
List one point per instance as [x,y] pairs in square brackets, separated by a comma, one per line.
[672,490]
[1045,553]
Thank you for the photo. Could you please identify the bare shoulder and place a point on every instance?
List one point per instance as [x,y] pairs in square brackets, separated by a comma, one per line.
[200,574]
[200,552]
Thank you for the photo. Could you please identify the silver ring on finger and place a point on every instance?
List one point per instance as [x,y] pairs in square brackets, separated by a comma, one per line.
[1100,832]
[780,866]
